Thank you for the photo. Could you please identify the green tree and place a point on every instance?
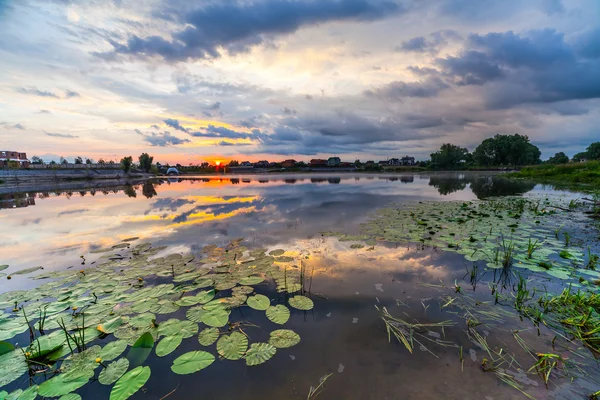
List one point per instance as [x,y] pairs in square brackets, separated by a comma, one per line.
[507,150]
[126,163]
[234,163]
[449,156]
[36,160]
[580,156]
[78,160]
[89,161]
[593,151]
[63,160]
[146,161]
[558,158]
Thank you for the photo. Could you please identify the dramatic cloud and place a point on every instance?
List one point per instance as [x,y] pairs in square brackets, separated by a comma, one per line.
[220,132]
[161,139]
[236,26]
[431,44]
[62,135]
[396,91]
[173,123]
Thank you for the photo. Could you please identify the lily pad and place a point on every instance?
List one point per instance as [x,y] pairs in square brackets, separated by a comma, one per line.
[216,318]
[205,296]
[278,314]
[130,383]
[259,353]
[113,371]
[232,347]
[284,338]
[195,314]
[70,396]
[208,336]
[65,383]
[251,280]
[168,344]
[301,303]
[141,349]
[113,350]
[258,302]
[12,366]
[191,362]
[174,326]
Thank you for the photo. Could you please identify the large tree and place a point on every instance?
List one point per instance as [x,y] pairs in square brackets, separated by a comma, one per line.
[450,156]
[593,151]
[559,158]
[507,150]
[146,162]
[126,163]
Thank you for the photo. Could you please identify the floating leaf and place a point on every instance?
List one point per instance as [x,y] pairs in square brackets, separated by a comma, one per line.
[111,325]
[174,326]
[28,394]
[216,318]
[3,267]
[113,350]
[65,383]
[113,371]
[191,362]
[195,314]
[70,396]
[187,301]
[251,280]
[141,349]
[301,303]
[26,271]
[232,347]
[130,383]
[12,366]
[205,296]
[259,353]
[6,347]
[278,314]
[258,302]
[168,344]
[284,338]
[208,336]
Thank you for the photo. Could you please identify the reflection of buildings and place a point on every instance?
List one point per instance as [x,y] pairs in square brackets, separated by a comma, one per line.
[17,200]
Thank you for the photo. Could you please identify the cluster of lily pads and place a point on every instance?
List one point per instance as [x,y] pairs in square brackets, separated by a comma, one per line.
[125,300]
[511,231]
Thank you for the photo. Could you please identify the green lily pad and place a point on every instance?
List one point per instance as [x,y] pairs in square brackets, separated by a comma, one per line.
[183,328]
[258,302]
[168,344]
[113,350]
[216,318]
[141,349]
[3,267]
[191,362]
[195,314]
[187,301]
[113,371]
[28,394]
[12,366]
[65,383]
[6,347]
[284,338]
[232,347]
[130,383]
[251,280]
[208,336]
[70,396]
[301,303]
[111,325]
[259,353]
[278,314]
[205,296]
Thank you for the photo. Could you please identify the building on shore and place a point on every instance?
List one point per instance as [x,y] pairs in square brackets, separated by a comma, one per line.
[289,164]
[317,163]
[13,157]
[334,162]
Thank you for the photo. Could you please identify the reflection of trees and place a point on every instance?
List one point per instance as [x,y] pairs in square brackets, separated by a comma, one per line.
[491,186]
[148,190]
[482,186]
[334,180]
[448,184]
[129,191]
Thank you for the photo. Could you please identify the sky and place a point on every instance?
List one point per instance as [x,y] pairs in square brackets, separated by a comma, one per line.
[198,80]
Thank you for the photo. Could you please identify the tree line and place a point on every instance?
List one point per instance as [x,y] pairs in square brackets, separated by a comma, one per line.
[503,150]
[145,162]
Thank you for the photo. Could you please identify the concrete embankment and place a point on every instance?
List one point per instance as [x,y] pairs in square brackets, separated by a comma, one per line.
[51,179]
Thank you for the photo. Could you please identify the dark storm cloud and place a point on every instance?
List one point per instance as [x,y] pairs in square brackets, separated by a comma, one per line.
[536,67]
[237,26]
[221,132]
[396,91]
[161,139]
[431,44]
[173,123]
[37,92]
[61,135]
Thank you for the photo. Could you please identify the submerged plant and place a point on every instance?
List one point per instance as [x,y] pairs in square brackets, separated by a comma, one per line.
[546,364]
[313,392]
[531,247]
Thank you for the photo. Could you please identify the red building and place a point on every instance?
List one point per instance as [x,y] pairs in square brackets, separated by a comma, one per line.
[7,157]
[288,164]
[317,162]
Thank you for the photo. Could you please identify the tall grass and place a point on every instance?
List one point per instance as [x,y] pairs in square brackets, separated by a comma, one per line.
[585,172]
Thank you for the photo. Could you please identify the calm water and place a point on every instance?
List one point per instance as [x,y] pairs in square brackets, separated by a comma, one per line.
[343,335]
